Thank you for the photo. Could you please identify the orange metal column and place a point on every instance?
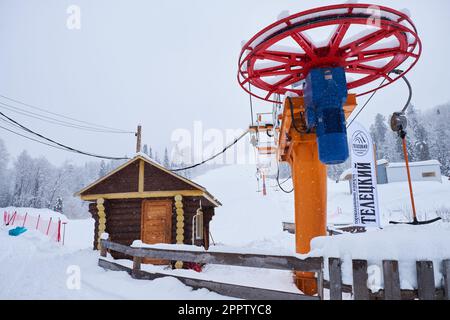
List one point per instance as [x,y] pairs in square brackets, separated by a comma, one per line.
[310,184]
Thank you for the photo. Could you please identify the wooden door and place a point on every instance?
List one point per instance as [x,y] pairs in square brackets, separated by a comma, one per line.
[156,224]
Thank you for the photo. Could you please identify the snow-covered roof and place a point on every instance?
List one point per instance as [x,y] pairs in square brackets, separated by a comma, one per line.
[415,164]
[346,175]
[382,162]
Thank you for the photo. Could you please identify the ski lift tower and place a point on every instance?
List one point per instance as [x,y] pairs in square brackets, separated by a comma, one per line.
[320,61]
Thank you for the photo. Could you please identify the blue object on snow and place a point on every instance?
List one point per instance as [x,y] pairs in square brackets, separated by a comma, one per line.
[17,231]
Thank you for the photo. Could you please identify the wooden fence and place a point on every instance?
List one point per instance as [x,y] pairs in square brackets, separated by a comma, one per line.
[392,290]
[360,291]
[221,258]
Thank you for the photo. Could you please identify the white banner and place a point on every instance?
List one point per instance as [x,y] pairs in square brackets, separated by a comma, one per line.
[364,179]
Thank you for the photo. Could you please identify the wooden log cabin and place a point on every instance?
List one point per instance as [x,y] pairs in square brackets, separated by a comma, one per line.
[142,200]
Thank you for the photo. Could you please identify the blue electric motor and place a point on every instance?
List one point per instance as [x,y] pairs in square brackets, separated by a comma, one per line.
[325,94]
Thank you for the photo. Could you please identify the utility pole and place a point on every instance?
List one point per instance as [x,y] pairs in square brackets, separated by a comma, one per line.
[138,138]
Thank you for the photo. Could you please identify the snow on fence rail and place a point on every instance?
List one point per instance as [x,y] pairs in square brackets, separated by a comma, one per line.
[426,290]
[223,258]
[53,227]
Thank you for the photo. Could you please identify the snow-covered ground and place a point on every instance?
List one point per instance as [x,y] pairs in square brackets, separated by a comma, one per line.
[33,266]
[249,219]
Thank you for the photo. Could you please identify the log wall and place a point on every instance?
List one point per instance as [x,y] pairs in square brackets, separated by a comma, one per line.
[123,221]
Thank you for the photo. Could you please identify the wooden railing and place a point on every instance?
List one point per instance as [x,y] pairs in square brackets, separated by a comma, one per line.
[222,258]
[426,289]
[390,269]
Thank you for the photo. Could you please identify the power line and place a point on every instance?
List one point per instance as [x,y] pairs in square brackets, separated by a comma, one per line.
[53,120]
[63,116]
[67,148]
[32,139]
[278,180]
[365,104]
[214,156]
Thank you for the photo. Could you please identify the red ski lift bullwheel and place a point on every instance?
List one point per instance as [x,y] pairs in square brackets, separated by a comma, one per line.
[368,41]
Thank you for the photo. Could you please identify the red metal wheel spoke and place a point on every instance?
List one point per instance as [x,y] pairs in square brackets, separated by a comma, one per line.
[269,94]
[272,69]
[363,69]
[337,38]
[278,73]
[273,57]
[359,45]
[386,76]
[305,44]
[286,81]
[287,55]
[374,57]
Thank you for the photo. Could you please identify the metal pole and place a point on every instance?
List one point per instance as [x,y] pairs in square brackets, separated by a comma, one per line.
[405,151]
[48,227]
[64,232]
[37,224]
[25,219]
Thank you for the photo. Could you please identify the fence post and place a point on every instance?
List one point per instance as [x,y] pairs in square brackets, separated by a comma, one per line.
[37,224]
[425,280]
[137,263]
[334,266]
[58,237]
[360,290]
[64,232]
[48,227]
[320,281]
[14,217]
[391,276]
[102,249]
[446,272]
[25,219]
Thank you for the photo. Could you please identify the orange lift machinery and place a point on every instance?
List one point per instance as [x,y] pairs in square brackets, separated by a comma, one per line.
[320,61]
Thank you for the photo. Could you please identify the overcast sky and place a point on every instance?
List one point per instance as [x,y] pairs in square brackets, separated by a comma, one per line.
[165,64]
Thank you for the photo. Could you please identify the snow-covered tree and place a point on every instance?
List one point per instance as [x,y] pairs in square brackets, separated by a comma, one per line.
[156,159]
[103,169]
[166,162]
[335,172]
[378,132]
[418,147]
[150,152]
[4,176]
[23,171]
[437,123]
[58,207]
[145,149]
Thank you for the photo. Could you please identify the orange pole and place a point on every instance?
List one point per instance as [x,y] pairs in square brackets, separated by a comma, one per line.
[310,192]
[309,177]
[411,194]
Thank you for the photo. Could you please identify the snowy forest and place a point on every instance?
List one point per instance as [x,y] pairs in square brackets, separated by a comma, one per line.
[428,136]
[35,182]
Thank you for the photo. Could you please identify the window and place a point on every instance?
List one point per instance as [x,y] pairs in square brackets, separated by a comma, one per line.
[428,174]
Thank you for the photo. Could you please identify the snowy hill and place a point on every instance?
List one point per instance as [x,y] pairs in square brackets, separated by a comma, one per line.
[248,217]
